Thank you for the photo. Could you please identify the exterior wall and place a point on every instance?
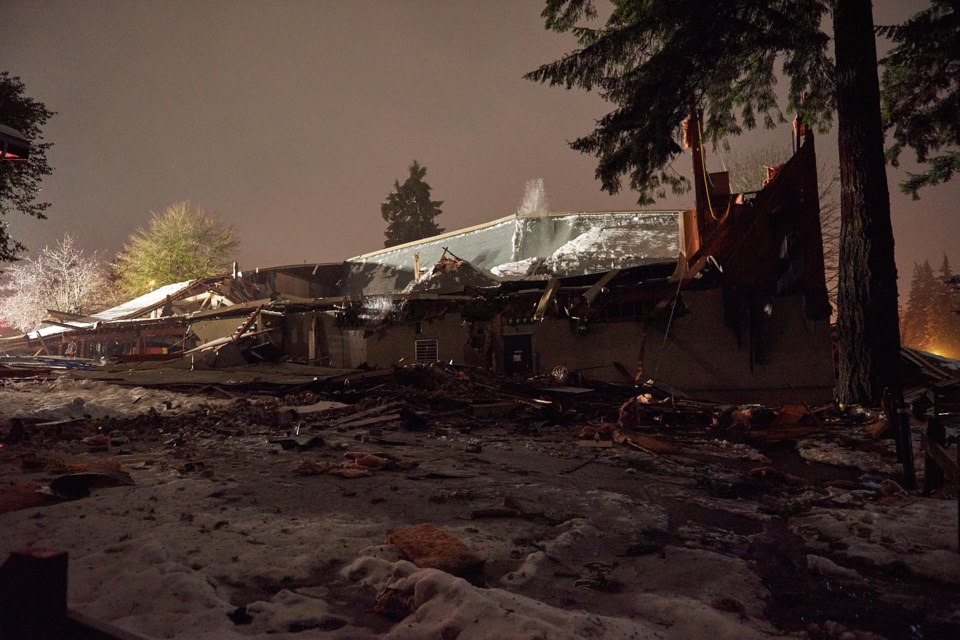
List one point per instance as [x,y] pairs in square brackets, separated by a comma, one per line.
[700,356]
[397,342]
[307,282]
[343,348]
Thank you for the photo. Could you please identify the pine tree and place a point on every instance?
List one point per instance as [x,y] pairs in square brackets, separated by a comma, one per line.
[20,180]
[918,321]
[657,60]
[921,94]
[947,321]
[409,211]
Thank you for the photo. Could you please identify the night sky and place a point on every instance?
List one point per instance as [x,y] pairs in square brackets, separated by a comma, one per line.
[291,120]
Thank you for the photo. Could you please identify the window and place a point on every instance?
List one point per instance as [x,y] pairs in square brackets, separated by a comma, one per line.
[427,350]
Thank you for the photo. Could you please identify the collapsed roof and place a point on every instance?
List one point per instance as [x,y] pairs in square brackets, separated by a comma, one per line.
[519,247]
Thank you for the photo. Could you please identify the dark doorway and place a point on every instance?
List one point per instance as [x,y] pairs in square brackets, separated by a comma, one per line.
[518,355]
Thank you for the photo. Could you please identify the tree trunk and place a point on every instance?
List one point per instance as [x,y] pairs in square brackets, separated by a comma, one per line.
[867,320]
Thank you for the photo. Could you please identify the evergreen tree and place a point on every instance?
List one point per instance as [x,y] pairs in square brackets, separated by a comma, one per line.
[919,317]
[921,96]
[20,180]
[657,60]
[409,211]
[947,321]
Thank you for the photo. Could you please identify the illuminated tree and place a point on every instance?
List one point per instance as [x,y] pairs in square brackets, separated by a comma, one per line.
[180,244]
[919,317]
[409,211]
[945,306]
[62,278]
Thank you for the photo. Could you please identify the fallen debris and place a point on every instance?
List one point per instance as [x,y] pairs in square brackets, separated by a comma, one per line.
[299,443]
[78,485]
[427,546]
[787,496]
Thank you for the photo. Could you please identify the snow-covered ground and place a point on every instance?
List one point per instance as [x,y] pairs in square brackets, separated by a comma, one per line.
[220,538]
[65,398]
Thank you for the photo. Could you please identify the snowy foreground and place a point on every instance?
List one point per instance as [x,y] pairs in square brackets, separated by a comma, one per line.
[218,537]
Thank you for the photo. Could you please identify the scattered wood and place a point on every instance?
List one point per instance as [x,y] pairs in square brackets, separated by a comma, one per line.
[317,407]
[647,443]
[346,420]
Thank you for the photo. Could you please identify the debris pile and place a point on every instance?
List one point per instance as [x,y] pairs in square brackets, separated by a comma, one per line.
[559,497]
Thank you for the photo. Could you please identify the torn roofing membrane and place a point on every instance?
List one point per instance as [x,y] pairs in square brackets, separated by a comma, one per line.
[558,244]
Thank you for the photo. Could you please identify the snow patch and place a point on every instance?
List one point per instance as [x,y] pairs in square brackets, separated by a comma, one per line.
[65,398]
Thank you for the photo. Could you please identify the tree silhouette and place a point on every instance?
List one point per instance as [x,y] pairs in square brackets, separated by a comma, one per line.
[20,180]
[919,315]
[409,211]
[921,93]
[657,61]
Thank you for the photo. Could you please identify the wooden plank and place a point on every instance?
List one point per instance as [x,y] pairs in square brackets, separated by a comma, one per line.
[651,444]
[366,422]
[390,406]
[941,455]
[595,290]
[545,299]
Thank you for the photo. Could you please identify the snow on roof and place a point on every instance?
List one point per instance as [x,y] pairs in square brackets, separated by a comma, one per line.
[561,244]
[120,312]
[147,300]
[599,249]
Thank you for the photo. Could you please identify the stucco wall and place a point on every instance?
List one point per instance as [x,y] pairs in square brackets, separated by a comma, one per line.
[700,355]
[343,348]
[396,343]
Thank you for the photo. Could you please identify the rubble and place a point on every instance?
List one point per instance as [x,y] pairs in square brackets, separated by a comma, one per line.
[736,515]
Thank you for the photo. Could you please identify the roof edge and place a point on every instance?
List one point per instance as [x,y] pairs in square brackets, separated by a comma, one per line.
[493,223]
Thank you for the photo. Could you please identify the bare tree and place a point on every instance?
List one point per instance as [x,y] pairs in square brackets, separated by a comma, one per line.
[62,278]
